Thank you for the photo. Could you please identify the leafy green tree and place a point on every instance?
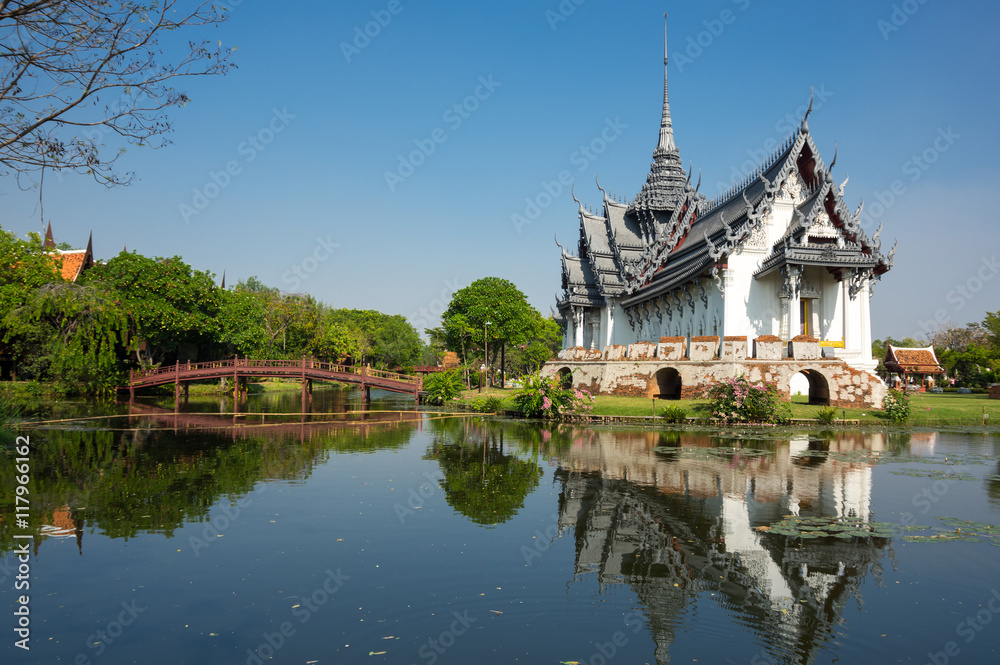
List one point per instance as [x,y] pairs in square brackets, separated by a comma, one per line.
[543,346]
[168,304]
[497,301]
[991,327]
[88,331]
[24,267]
[395,343]
[334,341]
[241,325]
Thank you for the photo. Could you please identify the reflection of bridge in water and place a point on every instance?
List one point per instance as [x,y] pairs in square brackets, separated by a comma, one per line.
[270,425]
[307,370]
[674,526]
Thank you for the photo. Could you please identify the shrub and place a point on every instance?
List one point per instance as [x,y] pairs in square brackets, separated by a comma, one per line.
[443,387]
[896,405]
[827,415]
[739,400]
[674,414]
[543,396]
[487,404]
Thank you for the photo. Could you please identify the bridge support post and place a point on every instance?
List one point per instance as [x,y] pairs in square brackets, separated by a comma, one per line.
[236,383]
[131,386]
[177,386]
[303,384]
[366,393]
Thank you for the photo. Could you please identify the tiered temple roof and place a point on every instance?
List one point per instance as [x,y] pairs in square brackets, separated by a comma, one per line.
[670,235]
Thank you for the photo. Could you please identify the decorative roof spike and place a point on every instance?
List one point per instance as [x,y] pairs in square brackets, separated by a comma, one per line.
[836,151]
[666,123]
[223,285]
[844,184]
[698,186]
[49,243]
[554,236]
[573,194]
[597,180]
[805,118]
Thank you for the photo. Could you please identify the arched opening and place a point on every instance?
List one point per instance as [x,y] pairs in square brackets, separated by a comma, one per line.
[565,378]
[818,388]
[668,381]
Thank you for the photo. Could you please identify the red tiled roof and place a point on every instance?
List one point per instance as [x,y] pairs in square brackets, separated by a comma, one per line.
[919,360]
[71,263]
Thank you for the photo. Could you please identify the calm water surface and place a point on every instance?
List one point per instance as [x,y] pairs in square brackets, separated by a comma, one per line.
[402,538]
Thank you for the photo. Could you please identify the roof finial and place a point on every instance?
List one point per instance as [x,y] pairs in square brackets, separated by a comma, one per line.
[805,118]
[573,194]
[834,162]
[49,243]
[666,124]
[563,249]
[597,180]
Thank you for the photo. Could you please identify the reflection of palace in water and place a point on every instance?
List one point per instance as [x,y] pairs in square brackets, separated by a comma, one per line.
[674,524]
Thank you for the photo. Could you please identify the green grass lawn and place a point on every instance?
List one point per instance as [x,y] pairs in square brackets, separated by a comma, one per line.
[926,409]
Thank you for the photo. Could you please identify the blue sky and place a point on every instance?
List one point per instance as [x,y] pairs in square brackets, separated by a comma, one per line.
[309,129]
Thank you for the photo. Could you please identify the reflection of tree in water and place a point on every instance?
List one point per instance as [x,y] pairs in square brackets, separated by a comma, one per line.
[154,481]
[674,527]
[481,481]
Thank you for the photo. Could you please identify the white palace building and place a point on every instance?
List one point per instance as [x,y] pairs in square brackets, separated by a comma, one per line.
[776,270]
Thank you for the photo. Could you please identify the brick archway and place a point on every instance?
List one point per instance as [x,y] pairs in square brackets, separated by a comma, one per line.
[819,387]
[668,384]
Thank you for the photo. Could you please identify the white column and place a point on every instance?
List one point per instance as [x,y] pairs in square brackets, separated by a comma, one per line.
[864,298]
[845,295]
[578,326]
[610,329]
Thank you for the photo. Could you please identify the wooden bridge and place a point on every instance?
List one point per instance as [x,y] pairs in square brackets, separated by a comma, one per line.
[306,370]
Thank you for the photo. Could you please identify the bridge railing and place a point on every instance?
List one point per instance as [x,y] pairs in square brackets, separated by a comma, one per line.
[290,365]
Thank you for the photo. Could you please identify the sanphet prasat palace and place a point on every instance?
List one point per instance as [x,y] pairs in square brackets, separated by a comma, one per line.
[674,291]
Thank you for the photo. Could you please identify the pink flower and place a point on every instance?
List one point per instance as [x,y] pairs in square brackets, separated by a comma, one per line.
[546,403]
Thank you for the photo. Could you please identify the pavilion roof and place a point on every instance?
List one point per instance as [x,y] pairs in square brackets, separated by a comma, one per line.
[912,361]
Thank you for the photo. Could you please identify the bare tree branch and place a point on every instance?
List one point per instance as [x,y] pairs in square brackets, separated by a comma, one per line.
[75,71]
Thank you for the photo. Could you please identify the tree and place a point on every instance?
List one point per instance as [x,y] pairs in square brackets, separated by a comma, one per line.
[991,330]
[168,304]
[77,71]
[511,319]
[543,346]
[241,324]
[24,267]
[395,343]
[88,330]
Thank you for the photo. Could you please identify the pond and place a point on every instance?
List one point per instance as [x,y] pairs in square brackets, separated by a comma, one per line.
[391,536]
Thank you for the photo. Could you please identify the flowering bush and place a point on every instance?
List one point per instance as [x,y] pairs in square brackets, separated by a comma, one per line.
[896,405]
[739,400]
[546,397]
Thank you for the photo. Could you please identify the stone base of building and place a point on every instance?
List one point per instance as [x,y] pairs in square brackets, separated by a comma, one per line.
[831,381]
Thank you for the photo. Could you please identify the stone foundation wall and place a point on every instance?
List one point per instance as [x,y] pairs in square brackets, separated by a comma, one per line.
[631,371]
[846,386]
